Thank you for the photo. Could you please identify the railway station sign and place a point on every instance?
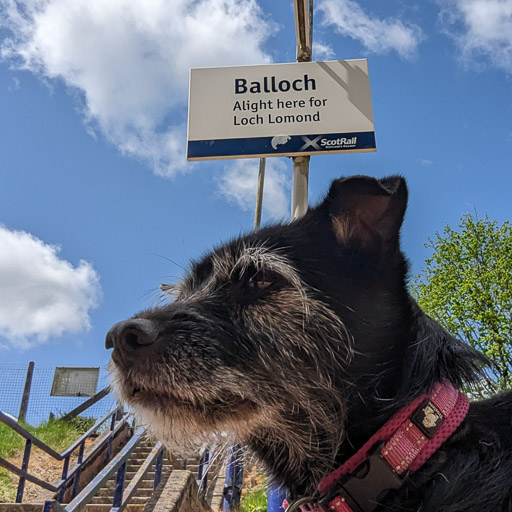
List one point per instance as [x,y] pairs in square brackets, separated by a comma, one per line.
[291,109]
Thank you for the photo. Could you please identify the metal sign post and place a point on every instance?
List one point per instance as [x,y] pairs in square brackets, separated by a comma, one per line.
[300,182]
[259,194]
[304,34]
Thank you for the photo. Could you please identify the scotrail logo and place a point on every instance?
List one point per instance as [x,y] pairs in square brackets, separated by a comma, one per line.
[322,144]
[339,143]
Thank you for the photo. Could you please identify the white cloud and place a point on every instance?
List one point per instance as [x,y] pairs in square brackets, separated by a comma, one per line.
[322,51]
[129,60]
[239,183]
[482,30]
[42,295]
[15,85]
[377,35]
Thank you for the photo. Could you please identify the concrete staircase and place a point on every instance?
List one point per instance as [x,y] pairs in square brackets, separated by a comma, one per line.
[145,490]
[177,492]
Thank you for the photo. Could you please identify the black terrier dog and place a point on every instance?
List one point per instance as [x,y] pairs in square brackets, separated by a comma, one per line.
[303,342]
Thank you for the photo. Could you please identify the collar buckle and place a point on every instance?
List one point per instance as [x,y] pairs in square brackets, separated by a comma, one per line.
[362,489]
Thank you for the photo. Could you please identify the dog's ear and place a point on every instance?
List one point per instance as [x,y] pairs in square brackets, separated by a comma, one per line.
[365,210]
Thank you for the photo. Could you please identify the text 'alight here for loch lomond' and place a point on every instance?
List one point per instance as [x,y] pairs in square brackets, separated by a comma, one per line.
[280,109]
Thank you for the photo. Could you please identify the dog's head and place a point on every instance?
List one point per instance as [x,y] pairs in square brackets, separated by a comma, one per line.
[280,335]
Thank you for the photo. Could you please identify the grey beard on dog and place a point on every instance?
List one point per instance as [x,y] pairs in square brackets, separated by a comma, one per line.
[301,340]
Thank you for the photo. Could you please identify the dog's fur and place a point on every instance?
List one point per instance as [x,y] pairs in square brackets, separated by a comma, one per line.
[302,340]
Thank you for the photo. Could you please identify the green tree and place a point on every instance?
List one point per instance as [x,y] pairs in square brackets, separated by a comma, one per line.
[466,286]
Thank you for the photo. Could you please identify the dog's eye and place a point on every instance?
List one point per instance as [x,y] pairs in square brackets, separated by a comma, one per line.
[261,281]
[259,284]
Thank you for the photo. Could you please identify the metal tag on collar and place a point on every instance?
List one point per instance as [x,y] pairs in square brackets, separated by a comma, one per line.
[428,418]
[363,488]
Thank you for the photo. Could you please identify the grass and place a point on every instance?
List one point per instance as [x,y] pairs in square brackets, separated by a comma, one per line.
[254,501]
[8,487]
[56,434]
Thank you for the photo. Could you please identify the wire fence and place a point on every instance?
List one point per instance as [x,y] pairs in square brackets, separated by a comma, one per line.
[41,404]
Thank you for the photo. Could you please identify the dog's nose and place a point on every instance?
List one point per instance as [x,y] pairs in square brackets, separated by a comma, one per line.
[134,333]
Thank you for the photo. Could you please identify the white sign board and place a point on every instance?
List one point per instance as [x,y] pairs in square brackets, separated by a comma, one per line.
[72,381]
[280,109]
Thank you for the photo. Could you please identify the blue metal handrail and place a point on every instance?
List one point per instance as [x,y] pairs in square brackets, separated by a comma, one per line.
[204,466]
[234,477]
[118,463]
[66,475]
[114,429]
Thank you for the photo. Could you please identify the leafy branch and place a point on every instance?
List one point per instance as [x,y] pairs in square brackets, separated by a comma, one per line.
[466,285]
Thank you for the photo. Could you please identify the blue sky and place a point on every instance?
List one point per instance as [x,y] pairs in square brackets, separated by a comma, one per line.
[98,205]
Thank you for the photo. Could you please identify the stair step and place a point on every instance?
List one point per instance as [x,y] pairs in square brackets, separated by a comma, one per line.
[103,500]
[150,475]
[145,482]
[134,467]
[131,465]
[130,472]
[141,491]
[106,507]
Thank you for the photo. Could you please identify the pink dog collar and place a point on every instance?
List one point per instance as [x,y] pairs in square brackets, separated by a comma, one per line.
[401,446]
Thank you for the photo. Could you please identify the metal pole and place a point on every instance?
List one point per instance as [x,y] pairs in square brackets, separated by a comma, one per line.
[26,393]
[259,196]
[304,29]
[304,35]
[300,186]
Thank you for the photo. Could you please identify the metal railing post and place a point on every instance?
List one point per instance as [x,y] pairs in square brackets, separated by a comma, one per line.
[158,469]
[109,444]
[52,506]
[65,469]
[234,477]
[202,474]
[118,489]
[76,483]
[24,467]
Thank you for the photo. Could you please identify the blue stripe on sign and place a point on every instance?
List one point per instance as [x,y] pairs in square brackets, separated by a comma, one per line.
[281,144]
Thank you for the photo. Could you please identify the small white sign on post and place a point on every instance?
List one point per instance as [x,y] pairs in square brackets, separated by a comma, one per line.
[72,381]
[292,109]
